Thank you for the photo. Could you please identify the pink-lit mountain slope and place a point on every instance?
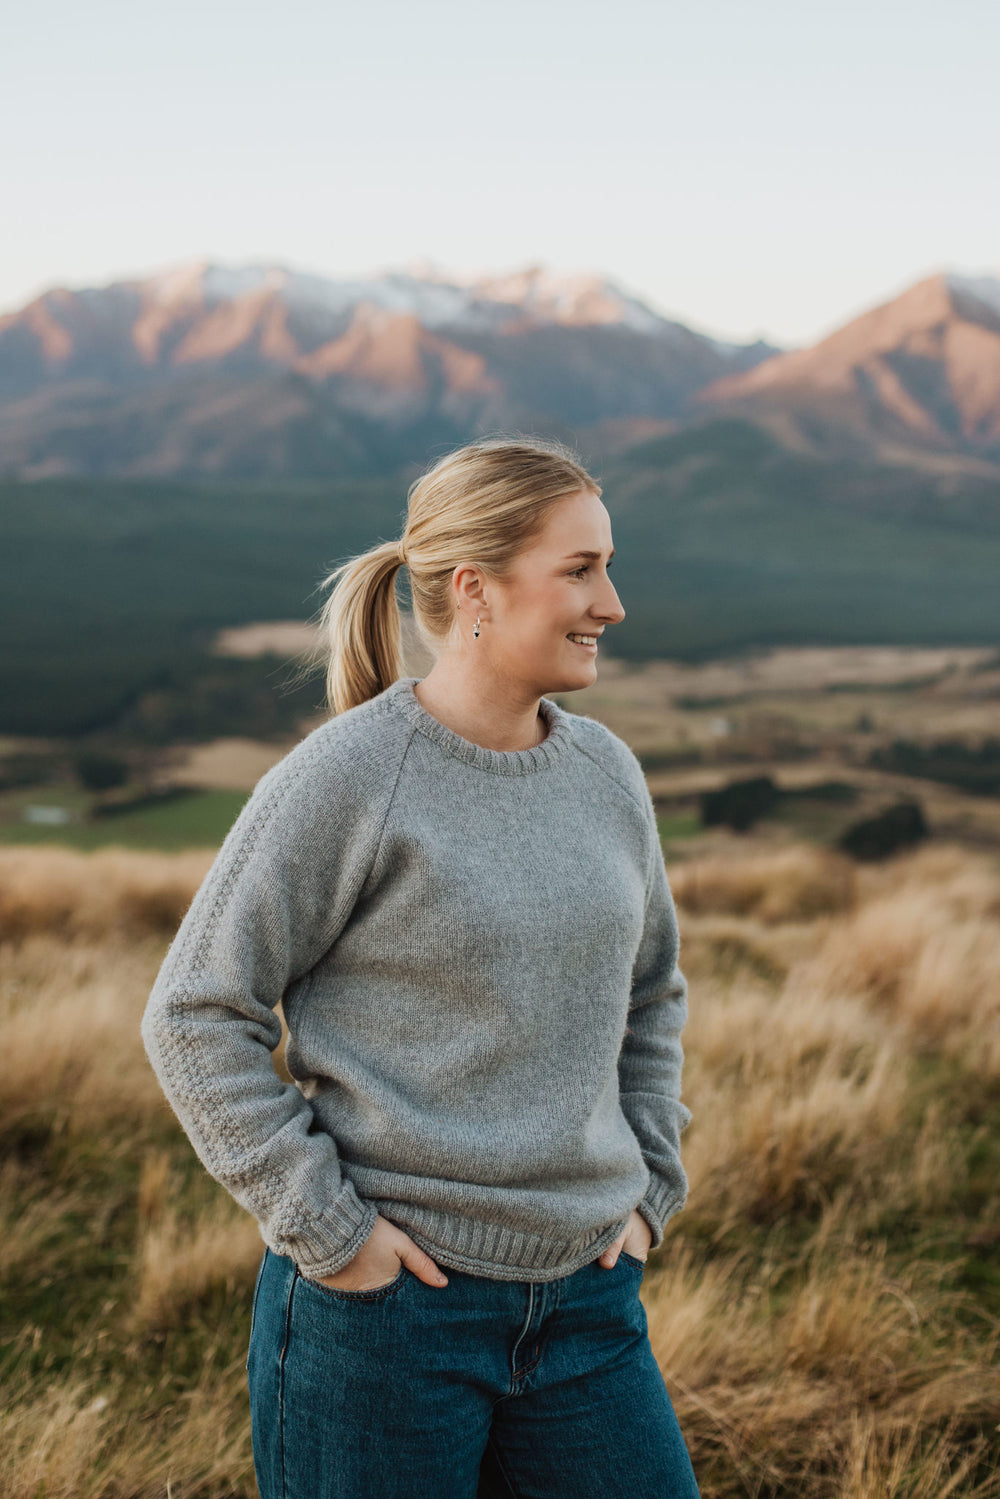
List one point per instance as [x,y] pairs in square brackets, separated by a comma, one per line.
[264,371]
[917,376]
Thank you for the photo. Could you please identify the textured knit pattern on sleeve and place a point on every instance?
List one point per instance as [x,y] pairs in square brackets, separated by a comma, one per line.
[476,954]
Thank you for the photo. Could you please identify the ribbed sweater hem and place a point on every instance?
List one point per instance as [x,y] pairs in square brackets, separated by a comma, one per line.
[491,1250]
[334,1236]
[659,1204]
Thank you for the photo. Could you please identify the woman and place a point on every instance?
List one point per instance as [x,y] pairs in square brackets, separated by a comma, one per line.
[455,888]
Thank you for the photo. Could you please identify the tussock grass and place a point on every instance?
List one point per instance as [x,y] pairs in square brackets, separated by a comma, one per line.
[69,893]
[789,884]
[73,1061]
[884,1461]
[825,1311]
[923,947]
[194,1440]
[181,1255]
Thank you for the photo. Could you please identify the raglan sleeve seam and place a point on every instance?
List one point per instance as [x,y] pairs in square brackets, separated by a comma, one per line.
[392,797]
[622,785]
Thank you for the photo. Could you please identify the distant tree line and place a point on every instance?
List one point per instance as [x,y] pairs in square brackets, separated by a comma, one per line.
[952,761]
[741,804]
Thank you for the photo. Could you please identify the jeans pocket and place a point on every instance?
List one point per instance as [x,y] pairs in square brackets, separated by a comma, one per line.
[631,1259]
[374,1293]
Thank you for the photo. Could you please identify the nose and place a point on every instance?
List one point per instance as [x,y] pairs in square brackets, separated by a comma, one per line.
[609,606]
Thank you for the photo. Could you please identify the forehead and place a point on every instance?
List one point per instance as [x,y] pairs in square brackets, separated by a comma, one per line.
[579,522]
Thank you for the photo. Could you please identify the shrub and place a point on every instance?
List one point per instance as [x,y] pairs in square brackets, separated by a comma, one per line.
[899,826]
[739,804]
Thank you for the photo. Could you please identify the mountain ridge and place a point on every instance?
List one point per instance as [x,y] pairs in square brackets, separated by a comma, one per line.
[259,370]
[921,370]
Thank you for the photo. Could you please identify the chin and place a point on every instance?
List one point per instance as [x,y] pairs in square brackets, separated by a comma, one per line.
[572,681]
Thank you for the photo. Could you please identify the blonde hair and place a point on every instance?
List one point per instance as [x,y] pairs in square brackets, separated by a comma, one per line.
[483,504]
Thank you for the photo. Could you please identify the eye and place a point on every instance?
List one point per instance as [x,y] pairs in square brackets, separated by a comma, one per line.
[578,570]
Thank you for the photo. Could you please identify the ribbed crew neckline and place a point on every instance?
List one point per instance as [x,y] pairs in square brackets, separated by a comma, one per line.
[501,762]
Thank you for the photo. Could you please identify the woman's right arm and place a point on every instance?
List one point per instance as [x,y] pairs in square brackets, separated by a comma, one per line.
[279,892]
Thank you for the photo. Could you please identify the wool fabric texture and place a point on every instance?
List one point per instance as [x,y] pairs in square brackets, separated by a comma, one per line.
[476,952]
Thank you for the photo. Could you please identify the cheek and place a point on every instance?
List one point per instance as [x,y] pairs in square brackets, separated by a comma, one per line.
[541,615]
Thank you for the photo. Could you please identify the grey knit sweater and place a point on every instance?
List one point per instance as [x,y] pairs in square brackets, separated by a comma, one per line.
[476,953]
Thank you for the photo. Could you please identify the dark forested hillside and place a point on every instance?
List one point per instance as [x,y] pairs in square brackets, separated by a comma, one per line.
[727,540]
[111,590]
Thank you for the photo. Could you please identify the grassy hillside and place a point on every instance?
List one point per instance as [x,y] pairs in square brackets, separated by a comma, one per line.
[110,592]
[825,1310]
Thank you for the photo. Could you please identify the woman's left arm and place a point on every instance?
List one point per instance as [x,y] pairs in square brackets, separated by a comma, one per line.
[651,1057]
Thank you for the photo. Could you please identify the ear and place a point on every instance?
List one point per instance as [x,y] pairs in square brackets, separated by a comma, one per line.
[470,584]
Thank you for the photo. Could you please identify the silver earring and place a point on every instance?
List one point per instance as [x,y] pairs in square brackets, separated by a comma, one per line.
[476,630]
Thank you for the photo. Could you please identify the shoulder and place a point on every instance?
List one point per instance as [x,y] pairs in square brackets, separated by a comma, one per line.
[614,757]
[350,761]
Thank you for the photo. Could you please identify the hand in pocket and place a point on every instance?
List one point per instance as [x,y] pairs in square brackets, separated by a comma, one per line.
[635,1238]
[378,1260]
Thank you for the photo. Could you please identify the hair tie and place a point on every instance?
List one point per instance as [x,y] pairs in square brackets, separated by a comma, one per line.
[401,550]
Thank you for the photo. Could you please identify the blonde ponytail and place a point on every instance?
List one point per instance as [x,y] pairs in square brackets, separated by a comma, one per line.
[360,621]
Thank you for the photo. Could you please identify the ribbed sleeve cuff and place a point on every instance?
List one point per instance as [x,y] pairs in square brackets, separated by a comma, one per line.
[661,1201]
[326,1243]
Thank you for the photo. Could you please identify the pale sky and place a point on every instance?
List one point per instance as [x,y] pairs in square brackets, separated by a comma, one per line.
[751,167]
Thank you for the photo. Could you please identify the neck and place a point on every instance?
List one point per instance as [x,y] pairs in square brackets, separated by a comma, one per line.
[495,713]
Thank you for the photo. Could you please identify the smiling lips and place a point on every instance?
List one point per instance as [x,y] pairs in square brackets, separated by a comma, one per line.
[589,642]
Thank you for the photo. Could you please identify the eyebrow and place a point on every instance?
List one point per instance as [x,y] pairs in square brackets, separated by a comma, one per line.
[595,556]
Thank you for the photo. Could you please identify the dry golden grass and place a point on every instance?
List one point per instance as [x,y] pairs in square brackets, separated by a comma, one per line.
[196,1444]
[180,1254]
[224,764]
[923,948]
[68,893]
[31,1222]
[72,1055]
[812,1309]
[790,884]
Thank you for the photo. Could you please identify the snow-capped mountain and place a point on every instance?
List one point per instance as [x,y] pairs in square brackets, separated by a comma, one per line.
[481,303]
[197,311]
[265,369]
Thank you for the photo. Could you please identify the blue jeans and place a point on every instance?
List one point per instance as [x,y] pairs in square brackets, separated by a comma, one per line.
[480,1389]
